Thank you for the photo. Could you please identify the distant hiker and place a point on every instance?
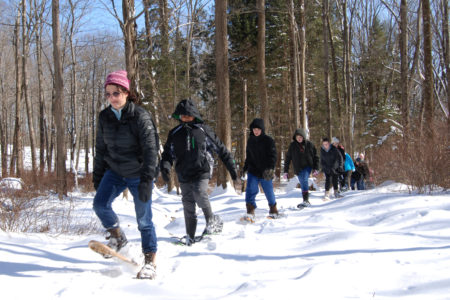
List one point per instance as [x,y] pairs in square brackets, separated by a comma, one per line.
[126,157]
[359,175]
[261,156]
[349,167]
[304,159]
[190,146]
[341,176]
[331,163]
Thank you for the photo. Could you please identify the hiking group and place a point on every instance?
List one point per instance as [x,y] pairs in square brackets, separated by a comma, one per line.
[126,156]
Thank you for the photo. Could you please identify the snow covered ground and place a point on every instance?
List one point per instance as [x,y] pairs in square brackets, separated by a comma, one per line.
[377,244]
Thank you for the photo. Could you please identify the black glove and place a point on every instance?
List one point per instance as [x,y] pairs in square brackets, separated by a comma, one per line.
[145,190]
[268,174]
[96,184]
[233,174]
[165,170]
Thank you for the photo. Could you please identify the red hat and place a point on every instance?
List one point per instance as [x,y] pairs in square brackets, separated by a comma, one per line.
[119,78]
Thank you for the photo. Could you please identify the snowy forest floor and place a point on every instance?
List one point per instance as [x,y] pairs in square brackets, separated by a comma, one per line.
[384,243]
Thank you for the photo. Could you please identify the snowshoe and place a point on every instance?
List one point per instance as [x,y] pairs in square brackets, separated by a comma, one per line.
[248,218]
[214,226]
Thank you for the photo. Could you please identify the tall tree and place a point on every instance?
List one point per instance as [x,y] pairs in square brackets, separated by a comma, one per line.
[302,63]
[404,66]
[293,49]
[427,89]
[222,85]
[445,30]
[58,105]
[326,65]
[261,62]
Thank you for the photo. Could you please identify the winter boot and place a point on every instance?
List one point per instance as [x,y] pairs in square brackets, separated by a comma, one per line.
[327,196]
[117,239]
[273,211]
[337,194]
[148,270]
[213,225]
[191,227]
[250,209]
[305,202]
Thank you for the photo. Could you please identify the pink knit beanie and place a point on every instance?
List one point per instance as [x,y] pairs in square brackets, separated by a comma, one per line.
[119,78]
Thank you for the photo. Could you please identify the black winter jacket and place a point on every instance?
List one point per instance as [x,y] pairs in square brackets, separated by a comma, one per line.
[127,146]
[331,161]
[302,154]
[191,145]
[261,153]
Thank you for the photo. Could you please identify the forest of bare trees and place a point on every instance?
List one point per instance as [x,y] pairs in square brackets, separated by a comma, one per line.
[374,73]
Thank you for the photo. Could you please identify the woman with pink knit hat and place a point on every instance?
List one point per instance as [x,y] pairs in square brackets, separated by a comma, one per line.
[126,157]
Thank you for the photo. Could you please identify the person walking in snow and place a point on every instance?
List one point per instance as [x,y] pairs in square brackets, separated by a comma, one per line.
[349,167]
[331,163]
[359,175]
[341,176]
[303,155]
[126,157]
[261,156]
[190,146]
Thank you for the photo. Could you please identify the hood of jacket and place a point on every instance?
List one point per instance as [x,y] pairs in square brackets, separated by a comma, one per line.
[187,107]
[257,123]
[299,131]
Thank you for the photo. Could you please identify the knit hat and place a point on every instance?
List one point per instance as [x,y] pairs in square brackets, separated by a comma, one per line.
[334,140]
[119,78]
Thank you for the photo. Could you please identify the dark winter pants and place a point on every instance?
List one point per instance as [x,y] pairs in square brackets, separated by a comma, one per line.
[195,193]
[329,179]
[345,179]
[111,186]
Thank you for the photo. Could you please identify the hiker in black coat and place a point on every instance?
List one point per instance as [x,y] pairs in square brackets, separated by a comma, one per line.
[126,157]
[261,156]
[332,165]
[190,146]
[303,155]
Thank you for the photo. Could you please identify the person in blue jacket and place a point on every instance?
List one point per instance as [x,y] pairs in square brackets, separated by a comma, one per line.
[349,167]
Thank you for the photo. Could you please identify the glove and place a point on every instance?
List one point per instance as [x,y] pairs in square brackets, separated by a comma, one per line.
[244,176]
[268,174]
[96,184]
[165,174]
[233,175]
[145,190]
[285,176]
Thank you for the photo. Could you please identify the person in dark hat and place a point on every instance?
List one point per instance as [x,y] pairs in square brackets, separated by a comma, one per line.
[303,155]
[190,146]
[261,156]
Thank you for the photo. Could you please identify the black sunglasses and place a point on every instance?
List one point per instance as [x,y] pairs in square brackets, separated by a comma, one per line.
[115,94]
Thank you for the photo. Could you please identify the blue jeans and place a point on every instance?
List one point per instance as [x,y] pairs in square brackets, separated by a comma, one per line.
[360,185]
[303,177]
[111,186]
[253,189]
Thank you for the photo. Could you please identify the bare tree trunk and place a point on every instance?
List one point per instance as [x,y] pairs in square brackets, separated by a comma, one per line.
[326,68]
[3,142]
[16,163]
[348,91]
[261,62]
[445,30]
[222,85]
[40,99]
[404,67]
[302,64]
[337,93]
[130,36]
[61,185]
[293,47]
[244,133]
[25,53]
[427,92]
